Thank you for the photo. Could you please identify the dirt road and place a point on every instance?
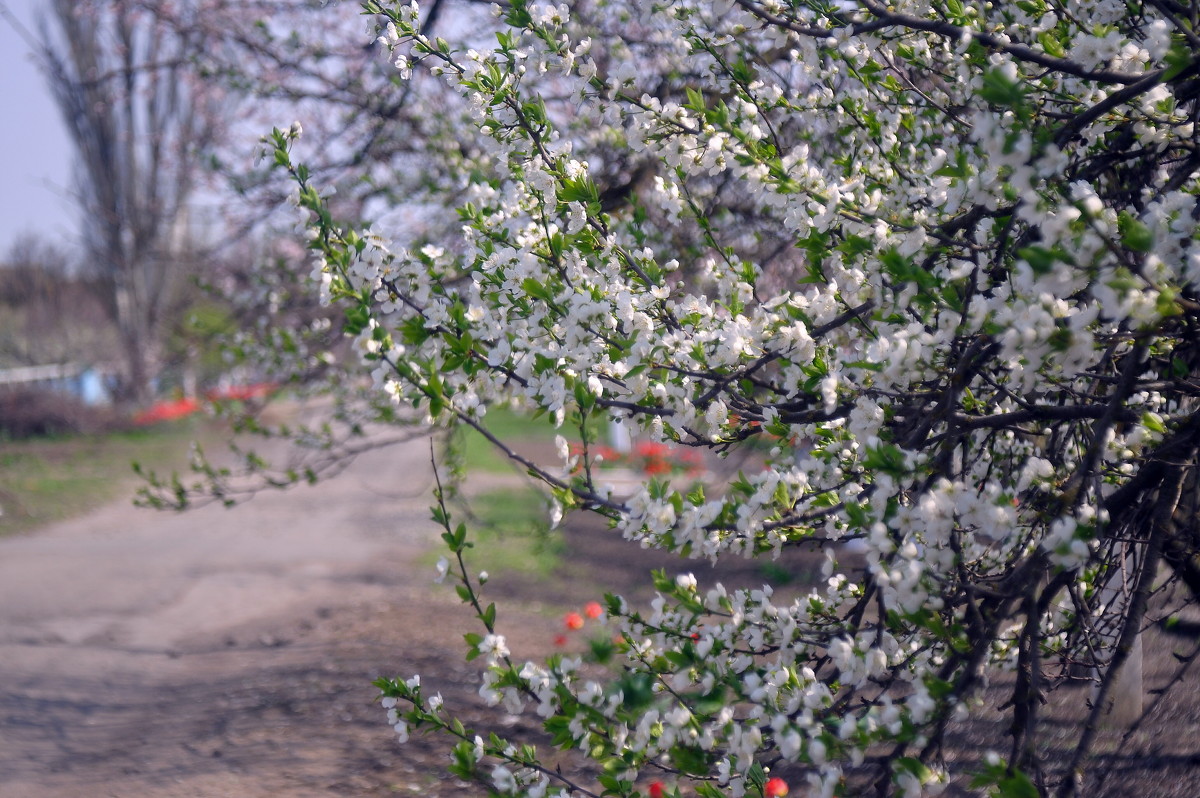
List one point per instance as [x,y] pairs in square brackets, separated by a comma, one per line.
[214,652]
[229,654]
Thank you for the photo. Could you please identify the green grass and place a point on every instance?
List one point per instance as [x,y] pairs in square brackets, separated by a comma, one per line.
[508,528]
[51,479]
[509,532]
[480,454]
[511,427]
[512,532]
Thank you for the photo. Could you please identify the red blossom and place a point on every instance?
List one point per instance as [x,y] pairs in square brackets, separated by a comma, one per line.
[607,454]
[650,457]
[656,466]
[593,610]
[167,410]
[573,621]
[657,790]
[775,788]
[560,640]
[651,449]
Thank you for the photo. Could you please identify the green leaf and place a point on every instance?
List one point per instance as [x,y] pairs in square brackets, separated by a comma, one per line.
[1178,58]
[909,764]
[1015,785]
[1051,44]
[1134,234]
[905,270]
[1165,304]
[637,689]
[856,513]
[437,399]
[581,189]
[535,289]
[690,760]
[999,89]
[601,650]
[854,246]
[960,167]
[357,319]
[757,776]
[584,397]
[1153,422]
[1040,259]
[886,458]
[413,331]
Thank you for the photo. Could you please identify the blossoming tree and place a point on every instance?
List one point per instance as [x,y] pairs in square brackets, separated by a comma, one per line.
[941,257]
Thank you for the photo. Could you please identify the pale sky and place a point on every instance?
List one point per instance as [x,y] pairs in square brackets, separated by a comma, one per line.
[35,153]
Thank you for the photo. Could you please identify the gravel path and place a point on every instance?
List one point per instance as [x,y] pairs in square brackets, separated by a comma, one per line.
[147,653]
[230,653]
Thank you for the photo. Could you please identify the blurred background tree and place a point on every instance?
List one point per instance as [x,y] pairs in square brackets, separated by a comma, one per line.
[139,117]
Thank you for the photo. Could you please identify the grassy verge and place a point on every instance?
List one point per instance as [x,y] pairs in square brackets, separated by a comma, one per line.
[509,527]
[509,532]
[512,533]
[51,479]
[480,454]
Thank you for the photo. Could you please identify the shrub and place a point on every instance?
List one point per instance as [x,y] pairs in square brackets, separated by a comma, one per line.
[942,258]
[31,413]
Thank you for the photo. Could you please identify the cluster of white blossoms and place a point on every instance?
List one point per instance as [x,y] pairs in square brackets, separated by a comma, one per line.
[939,259]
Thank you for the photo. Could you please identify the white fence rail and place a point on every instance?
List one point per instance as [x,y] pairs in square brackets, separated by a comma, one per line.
[80,380]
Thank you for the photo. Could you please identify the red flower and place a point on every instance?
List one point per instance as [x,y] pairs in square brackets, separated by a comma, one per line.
[657,790]
[573,621]
[560,640]
[167,410]
[606,454]
[775,788]
[656,466]
[651,449]
[593,610]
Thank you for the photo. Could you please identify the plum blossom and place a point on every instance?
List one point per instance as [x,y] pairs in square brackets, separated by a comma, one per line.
[875,256]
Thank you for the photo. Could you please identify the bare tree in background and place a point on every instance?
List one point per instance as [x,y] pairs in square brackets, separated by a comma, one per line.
[138,115]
